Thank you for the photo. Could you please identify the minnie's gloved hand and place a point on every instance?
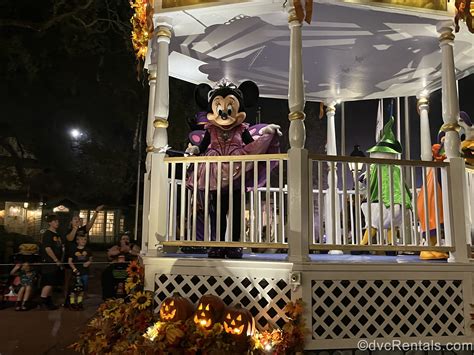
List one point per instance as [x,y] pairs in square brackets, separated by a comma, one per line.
[192,150]
[271,129]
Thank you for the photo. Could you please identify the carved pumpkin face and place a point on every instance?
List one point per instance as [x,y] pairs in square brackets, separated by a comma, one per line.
[209,311]
[239,322]
[175,308]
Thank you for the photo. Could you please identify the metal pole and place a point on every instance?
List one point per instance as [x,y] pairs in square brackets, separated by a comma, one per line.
[407,129]
[139,168]
[343,129]
[399,116]
[399,133]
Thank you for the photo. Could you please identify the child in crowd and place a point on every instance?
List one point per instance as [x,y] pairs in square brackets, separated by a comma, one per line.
[27,279]
[80,260]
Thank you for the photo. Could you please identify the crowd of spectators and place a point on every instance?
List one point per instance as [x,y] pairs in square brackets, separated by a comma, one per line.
[64,262]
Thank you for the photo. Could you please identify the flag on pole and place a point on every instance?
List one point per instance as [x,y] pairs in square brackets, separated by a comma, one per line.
[379,126]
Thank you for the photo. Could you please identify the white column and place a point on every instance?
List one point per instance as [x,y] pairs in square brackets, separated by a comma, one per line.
[399,133]
[450,103]
[399,125]
[149,143]
[299,196]
[454,182]
[343,129]
[331,215]
[161,108]
[298,163]
[296,100]
[158,213]
[331,148]
[407,129]
[425,133]
[150,129]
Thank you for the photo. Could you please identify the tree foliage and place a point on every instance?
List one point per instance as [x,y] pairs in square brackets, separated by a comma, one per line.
[69,64]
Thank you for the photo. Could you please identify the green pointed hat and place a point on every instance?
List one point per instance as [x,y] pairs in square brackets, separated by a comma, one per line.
[387,143]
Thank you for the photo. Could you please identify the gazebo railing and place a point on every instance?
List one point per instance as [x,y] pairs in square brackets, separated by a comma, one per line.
[199,192]
[342,211]
[200,195]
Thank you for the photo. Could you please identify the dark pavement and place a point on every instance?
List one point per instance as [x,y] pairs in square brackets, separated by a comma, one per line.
[48,332]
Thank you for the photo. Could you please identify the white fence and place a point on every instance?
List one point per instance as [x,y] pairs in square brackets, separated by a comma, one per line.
[207,208]
[351,197]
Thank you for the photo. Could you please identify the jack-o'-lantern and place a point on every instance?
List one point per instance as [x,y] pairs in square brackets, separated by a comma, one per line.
[210,311]
[175,308]
[239,321]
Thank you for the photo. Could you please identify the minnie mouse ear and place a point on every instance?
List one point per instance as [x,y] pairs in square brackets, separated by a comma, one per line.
[200,96]
[250,91]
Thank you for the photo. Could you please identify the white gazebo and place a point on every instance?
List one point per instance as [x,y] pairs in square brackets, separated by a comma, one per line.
[352,50]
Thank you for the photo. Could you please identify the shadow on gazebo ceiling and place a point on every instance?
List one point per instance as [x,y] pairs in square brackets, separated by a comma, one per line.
[362,55]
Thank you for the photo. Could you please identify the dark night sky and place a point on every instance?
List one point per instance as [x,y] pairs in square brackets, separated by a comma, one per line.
[62,75]
[360,119]
[61,68]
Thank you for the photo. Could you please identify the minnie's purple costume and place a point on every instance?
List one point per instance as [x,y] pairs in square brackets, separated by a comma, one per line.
[236,141]
[239,140]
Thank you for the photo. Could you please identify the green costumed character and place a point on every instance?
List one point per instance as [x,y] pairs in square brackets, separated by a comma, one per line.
[386,148]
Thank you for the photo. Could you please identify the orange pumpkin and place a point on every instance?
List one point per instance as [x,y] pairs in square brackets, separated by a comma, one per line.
[210,311]
[239,322]
[176,308]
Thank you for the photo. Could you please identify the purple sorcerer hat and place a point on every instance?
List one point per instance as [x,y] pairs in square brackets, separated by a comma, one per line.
[201,117]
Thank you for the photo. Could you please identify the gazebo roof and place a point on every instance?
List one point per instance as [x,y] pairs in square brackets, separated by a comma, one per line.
[350,51]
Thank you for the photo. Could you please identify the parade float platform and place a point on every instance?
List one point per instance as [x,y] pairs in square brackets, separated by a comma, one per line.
[349,297]
[350,51]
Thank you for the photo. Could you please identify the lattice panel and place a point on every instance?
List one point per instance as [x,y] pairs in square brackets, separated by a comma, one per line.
[264,297]
[358,309]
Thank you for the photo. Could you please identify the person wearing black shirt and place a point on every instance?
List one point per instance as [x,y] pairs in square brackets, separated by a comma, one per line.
[76,229]
[113,277]
[52,254]
[80,260]
[124,247]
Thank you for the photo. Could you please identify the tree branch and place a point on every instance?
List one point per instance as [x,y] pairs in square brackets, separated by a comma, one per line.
[40,27]
[17,159]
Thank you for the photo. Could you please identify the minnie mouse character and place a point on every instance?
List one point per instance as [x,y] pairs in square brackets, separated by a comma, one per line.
[227,134]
